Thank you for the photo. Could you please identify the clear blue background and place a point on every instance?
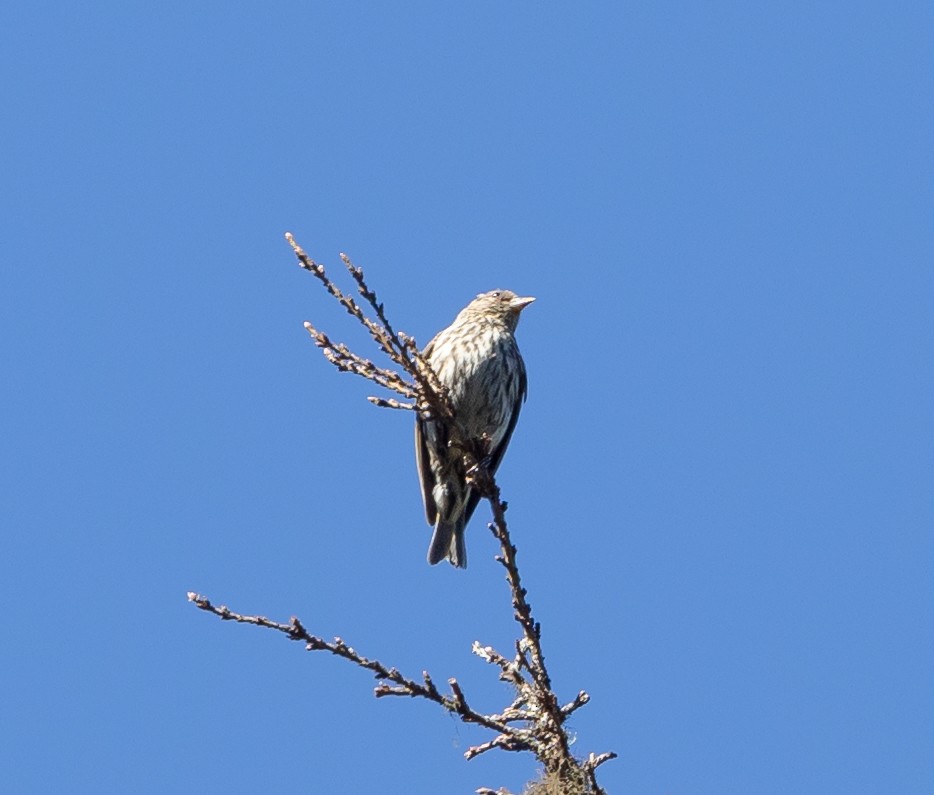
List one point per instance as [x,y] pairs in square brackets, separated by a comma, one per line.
[721,484]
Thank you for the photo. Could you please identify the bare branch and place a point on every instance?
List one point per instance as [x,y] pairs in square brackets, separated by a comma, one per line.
[370,295]
[380,335]
[579,701]
[404,686]
[541,699]
[430,394]
[389,403]
[593,762]
[347,361]
[502,741]
[590,766]
[534,721]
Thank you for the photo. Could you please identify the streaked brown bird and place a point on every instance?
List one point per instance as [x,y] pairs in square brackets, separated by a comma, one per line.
[478,360]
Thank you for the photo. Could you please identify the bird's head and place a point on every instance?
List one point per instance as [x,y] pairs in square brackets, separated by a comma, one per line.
[502,305]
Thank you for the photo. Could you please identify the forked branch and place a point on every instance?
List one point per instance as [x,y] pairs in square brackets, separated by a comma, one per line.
[534,720]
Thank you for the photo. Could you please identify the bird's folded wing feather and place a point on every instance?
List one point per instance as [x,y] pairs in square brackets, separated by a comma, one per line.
[497,454]
[424,472]
[422,461]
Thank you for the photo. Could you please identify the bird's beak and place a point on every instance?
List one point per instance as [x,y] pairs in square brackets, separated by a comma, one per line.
[520,303]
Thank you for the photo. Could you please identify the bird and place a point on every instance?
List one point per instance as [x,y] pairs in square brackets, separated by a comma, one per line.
[478,360]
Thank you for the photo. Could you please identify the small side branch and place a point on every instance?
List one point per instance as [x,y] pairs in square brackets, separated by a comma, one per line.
[425,387]
[516,738]
[590,766]
[389,403]
[347,361]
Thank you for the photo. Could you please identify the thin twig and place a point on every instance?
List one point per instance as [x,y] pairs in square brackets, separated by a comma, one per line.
[430,394]
[347,361]
[389,403]
[590,766]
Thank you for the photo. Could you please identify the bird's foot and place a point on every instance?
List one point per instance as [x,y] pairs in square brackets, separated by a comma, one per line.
[479,475]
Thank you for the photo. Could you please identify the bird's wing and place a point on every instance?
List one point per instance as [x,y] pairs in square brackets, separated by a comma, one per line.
[424,472]
[422,461]
[497,454]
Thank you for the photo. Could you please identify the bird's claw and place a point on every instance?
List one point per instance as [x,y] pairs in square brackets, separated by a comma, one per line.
[479,475]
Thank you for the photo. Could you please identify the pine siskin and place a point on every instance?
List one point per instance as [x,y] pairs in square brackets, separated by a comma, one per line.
[478,360]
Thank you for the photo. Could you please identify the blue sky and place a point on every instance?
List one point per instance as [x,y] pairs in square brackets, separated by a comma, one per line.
[720,485]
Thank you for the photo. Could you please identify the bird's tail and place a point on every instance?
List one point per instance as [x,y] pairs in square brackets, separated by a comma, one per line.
[448,542]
